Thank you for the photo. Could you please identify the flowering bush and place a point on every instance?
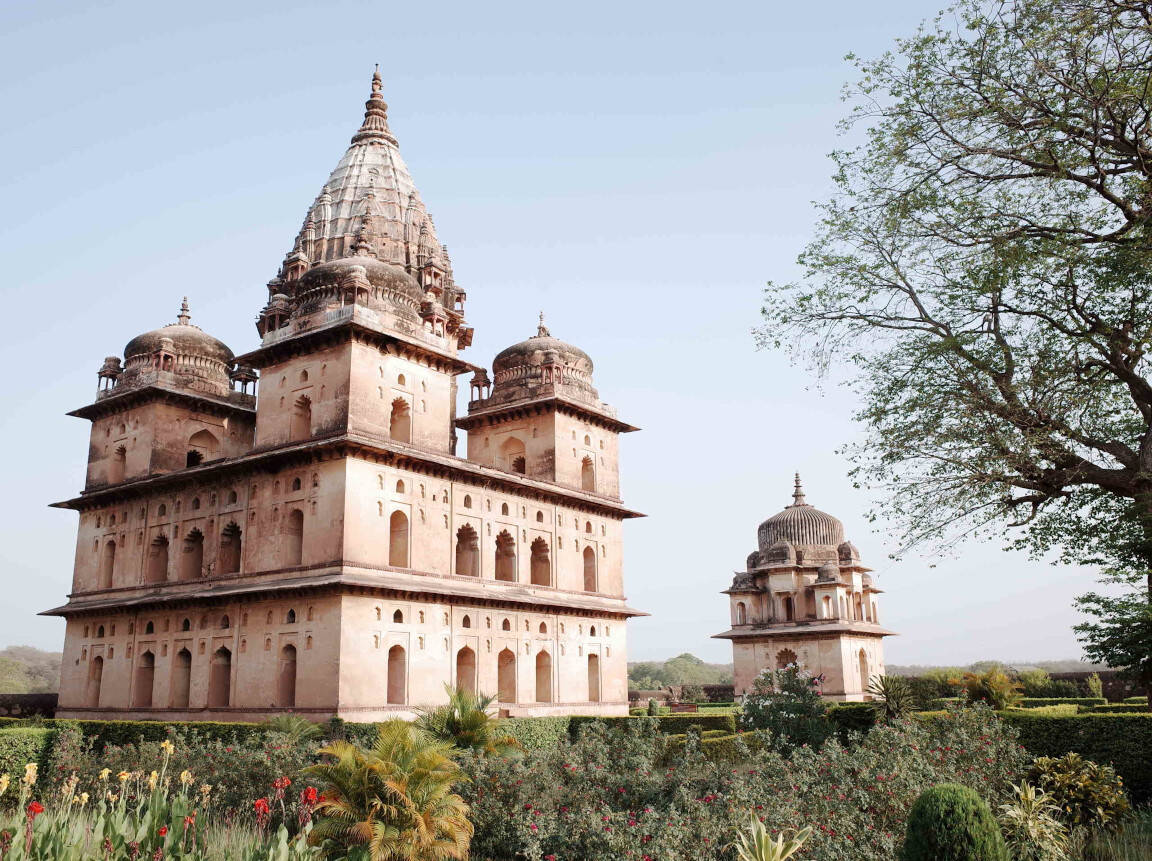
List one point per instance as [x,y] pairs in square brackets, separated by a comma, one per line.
[787,703]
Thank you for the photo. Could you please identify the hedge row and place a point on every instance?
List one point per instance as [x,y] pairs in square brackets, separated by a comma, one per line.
[22,745]
[1120,708]
[1123,741]
[1031,702]
[1135,701]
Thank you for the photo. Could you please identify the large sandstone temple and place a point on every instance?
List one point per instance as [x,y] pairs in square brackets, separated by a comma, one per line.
[314,543]
[805,598]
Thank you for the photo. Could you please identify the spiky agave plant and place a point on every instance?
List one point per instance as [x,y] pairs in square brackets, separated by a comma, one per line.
[465,723]
[394,800]
[892,697]
[756,845]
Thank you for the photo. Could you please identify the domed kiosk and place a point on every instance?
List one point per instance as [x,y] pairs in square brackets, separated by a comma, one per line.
[805,598]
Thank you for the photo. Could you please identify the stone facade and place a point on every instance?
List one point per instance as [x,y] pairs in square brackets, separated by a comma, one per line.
[805,598]
[320,547]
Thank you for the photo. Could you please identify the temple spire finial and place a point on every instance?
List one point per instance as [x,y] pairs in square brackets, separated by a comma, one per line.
[798,492]
[541,329]
[183,317]
[375,125]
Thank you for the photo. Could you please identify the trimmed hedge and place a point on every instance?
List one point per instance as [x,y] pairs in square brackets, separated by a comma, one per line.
[1031,702]
[1123,741]
[1135,701]
[1119,708]
[720,748]
[22,745]
[671,724]
[1061,709]
[538,733]
[851,717]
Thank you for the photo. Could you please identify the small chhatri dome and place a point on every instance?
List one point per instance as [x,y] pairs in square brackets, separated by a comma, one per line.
[541,349]
[179,354]
[186,340]
[801,525]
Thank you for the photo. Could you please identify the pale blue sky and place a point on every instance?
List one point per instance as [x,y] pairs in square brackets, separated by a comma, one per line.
[638,170]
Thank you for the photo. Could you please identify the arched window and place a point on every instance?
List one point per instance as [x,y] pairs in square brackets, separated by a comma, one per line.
[543,627]
[401,380]
[397,676]
[192,556]
[157,570]
[506,625]
[149,628]
[466,622]
[741,613]
[296,483]
[541,563]
[290,618]
[181,679]
[398,617]
[539,516]
[116,465]
[286,681]
[162,510]
[95,676]
[591,630]
[789,608]
[186,625]
[543,677]
[506,676]
[505,556]
[228,557]
[99,631]
[588,527]
[785,658]
[293,540]
[512,455]
[863,659]
[593,678]
[145,679]
[398,540]
[590,584]
[195,503]
[504,509]
[202,446]
[303,376]
[466,670]
[467,501]
[399,487]
[301,426]
[587,474]
[400,421]
[467,552]
[220,679]
[826,607]
[875,614]
[107,564]
[225,622]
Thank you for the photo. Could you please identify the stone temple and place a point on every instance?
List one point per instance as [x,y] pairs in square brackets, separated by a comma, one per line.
[292,529]
[805,598]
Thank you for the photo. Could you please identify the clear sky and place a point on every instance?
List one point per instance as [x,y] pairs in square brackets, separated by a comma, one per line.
[637,170]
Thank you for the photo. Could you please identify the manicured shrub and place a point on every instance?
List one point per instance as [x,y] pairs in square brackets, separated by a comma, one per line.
[672,724]
[1116,709]
[851,718]
[1062,709]
[952,823]
[1135,701]
[22,745]
[537,733]
[787,703]
[994,687]
[1030,702]
[1085,792]
[1094,685]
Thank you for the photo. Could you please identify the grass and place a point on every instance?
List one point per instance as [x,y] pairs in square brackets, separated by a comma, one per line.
[1133,842]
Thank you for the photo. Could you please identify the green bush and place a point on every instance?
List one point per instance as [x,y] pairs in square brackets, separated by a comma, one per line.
[671,724]
[22,745]
[537,733]
[1062,709]
[1136,701]
[787,703]
[1094,685]
[1117,708]
[851,717]
[1086,792]
[993,686]
[952,823]
[1029,702]
[1123,741]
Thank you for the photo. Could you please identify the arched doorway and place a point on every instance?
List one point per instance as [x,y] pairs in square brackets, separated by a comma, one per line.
[400,421]
[301,427]
[95,677]
[741,613]
[192,556]
[107,564]
[590,570]
[220,679]
[294,537]
[587,475]
[157,570]
[397,676]
[467,552]
[863,659]
[505,556]
[181,679]
[145,679]
[398,540]
[506,676]
[593,678]
[228,558]
[541,564]
[286,683]
[512,452]
[466,670]
[543,677]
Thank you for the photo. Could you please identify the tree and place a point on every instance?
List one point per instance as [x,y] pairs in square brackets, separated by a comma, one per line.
[787,703]
[985,266]
[464,723]
[395,799]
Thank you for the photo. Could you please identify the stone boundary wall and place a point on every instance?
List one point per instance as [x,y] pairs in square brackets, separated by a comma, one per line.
[26,705]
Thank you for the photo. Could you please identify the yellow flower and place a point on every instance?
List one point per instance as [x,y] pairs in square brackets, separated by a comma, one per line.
[111,796]
[83,798]
[186,778]
[123,776]
[167,747]
[4,780]
[152,778]
[104,772]
[205,789]
[30,774]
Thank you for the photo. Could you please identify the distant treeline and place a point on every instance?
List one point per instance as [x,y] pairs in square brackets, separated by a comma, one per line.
[1068,666]
[27,670]
[684,669]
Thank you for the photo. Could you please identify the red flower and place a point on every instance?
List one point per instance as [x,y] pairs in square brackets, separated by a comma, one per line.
[163,832]
[35,809]
[261,805]
[310,795]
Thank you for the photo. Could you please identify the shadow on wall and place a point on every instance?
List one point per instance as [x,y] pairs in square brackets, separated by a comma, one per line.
[26,705]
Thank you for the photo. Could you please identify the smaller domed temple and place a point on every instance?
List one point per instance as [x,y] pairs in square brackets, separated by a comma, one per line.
[805,598]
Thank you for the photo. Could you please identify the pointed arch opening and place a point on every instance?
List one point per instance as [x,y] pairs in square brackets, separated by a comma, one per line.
[220,679]
[397,676]
[107,564]
[741,613]
[301,425]
[543,677]
[202,446]
[593,678]
[400,421]
[467,552]
[181,679]
[512,455]
[117,464]
[590,584]
[505,556]
[228,556]
[506,676]
[789,608]
[466,670]
[192,556]
[157,568]
[286,681]
[145,680]
[785,658]
[398,540]
[587,474]
[862,658]
[95,678]
[293,537]
[541,563]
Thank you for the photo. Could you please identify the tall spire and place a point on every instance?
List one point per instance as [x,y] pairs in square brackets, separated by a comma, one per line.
[798,493]
[541,329]
[375,125]
[183,317]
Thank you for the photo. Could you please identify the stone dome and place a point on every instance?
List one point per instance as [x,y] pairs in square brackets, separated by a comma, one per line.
[184,338]
[538,350]
[801,525]
[543,366]
[379,284]
[178,354]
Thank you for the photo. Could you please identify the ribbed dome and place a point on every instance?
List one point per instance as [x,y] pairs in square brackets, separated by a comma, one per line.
[381,284]
[178,354]
[801,525]
[186,340]
[535,350]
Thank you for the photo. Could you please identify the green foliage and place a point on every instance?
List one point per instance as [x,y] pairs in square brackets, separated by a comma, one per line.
[1052,710]
[1118,631]
[1119,708]
[296,728]
[851,718]
[536,733]
[1033,702]
[465,723]
[1094,685]
[754,844]
[685,669]
[928,688]
[1034,683]
[1136,700]
[22,745]
[787,703]
[892,696]
[394,799]
[691,693]
[28,670]
[1031,827]
[1084,792]
[653,707]
[993,686]
[671,724]
[952,823]
[1123,741]
[1128,842]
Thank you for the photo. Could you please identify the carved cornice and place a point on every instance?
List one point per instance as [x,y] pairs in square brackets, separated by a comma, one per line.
[486,417]
[118,401]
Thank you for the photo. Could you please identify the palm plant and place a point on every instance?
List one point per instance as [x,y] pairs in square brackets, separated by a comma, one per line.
[756,845]
[1030,826]
[393,801]
[298,729]
[892,697]
[465,723]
